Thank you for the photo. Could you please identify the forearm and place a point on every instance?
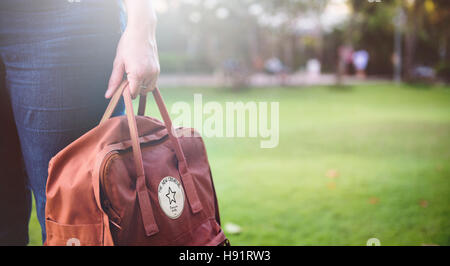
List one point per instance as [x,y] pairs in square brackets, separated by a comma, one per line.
[137,52]
[141,16]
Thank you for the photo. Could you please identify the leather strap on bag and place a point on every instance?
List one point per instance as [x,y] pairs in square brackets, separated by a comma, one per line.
[142,104]
[186,177]
[144,200]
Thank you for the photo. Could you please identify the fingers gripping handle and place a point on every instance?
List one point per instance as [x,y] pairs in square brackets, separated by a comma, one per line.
[115,100]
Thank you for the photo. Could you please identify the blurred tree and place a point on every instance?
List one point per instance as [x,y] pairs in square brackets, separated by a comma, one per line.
[214,30]
[201,35]
[426,31]
[415,21]
[439,34]
[370,27]
[288,17]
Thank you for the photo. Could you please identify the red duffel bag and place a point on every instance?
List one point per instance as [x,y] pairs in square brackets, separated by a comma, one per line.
[133,181]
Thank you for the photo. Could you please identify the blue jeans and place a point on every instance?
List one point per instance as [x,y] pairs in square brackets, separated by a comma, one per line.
[55,60]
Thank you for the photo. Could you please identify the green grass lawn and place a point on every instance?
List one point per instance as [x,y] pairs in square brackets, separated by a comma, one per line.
[352,164]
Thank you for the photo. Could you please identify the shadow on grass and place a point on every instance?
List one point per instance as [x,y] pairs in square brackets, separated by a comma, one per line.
[228,90]
[420,85]
[340,88]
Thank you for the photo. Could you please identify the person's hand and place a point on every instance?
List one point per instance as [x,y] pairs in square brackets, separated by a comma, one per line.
[137,56]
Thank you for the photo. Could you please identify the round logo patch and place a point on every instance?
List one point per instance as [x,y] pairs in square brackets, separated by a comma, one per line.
[171,197]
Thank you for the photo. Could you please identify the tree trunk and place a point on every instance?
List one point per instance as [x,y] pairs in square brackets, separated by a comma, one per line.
[415,15]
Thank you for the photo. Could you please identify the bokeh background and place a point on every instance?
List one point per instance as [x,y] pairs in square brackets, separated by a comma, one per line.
[364,145]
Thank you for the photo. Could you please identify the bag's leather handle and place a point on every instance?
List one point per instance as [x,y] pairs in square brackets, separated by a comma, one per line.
[186,177]
[145,207]
[115,100]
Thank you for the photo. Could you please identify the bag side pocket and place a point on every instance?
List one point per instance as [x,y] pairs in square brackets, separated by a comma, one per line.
[73,235]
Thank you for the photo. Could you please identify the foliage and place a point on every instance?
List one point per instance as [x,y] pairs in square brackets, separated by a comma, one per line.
[426,36]
[205,33]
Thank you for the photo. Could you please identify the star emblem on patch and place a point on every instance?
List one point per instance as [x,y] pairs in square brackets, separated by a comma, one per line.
[171,196]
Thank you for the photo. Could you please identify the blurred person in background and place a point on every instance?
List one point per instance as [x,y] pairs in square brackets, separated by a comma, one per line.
[360,61]
[274,66]
[313,69]
[56,59]
[345,58]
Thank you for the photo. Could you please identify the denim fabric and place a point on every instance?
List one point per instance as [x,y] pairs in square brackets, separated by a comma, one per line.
[56,57]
